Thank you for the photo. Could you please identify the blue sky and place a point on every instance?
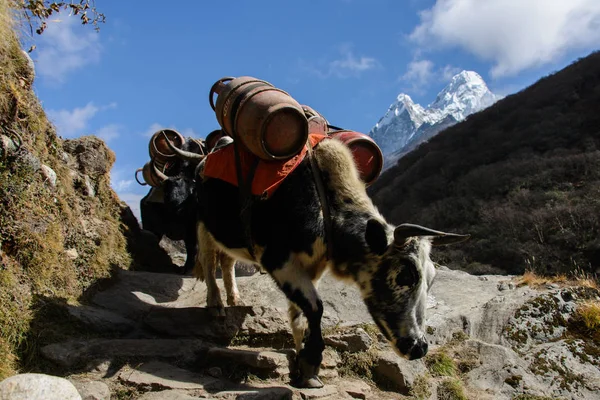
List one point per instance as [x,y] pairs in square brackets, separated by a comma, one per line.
[152,64]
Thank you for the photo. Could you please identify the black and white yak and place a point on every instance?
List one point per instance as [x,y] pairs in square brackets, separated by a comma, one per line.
[390,265]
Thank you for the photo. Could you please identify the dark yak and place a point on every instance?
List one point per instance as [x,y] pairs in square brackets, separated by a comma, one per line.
[171,209]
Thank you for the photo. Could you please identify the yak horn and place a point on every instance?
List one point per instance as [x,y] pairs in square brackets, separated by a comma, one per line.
[185,155]
[404,231]
[161,176]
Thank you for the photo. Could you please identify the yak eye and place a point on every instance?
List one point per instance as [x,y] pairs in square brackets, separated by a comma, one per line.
[408,275]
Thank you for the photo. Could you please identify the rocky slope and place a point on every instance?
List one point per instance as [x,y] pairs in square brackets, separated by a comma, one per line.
[406,124]
[147,336]
[61,226]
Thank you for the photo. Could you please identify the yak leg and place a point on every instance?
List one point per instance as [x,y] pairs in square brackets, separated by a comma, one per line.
[190,249]
[299,289]
[208,256]
[228,270]
[298,324]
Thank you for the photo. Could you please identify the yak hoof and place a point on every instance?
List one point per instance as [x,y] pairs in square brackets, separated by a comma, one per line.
[307,383]
[306,375]
[235,302]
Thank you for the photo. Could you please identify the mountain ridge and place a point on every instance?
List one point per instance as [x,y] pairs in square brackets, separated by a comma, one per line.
[406,124]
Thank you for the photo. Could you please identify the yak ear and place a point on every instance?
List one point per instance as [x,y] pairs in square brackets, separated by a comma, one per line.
[376,237]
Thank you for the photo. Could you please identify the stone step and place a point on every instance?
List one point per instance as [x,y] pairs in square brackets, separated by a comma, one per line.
[201,322]
[160,374]
[94,352]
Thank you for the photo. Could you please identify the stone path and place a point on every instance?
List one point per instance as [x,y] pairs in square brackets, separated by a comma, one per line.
[155,340]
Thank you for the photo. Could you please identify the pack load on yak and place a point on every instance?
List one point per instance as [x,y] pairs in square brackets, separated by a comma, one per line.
[271,125]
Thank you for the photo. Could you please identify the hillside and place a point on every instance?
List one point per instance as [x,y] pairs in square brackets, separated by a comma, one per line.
[522,177]
[61,226]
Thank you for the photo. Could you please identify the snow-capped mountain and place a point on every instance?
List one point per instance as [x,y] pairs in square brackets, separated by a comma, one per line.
[406,125]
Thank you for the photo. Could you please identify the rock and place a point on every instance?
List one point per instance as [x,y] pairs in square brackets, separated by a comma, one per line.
[342,301]
[275,393]
[325,391]
[88,186]
[397,372]
[462,302]
[501,371]
[155,373]
[268,360]
[37,386]
[168,395]
[93,157]
[353,342]
[200,322]
[133,293]
[26,158]
[92,390]
[539,320]
[7,146]
[49,175]
[328,373]
[566,369]
[72,254]
[101,320]
[28,73]
[71,353]
[506,286]
[356,389]
[331,359]
[245,269]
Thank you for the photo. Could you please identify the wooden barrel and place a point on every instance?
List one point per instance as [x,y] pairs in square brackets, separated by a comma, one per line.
[316,122]
[159,150]
[267,120]
[150,176]
[367,155]
[212,139]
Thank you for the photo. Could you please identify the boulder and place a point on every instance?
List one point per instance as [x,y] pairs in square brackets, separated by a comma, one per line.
[37,386]
[92,390]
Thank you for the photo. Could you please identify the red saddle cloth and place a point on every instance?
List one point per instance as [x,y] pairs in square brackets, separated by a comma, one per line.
[269,175]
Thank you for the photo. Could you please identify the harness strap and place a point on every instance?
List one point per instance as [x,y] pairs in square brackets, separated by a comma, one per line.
[327,222]
[246,200]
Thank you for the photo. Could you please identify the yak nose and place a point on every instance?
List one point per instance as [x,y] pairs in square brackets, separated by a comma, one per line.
[413,349]
[419,349]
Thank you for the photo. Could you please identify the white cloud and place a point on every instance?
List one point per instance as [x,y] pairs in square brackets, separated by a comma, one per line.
[419,74]
[109,132]
[448,72]
[513,34]
[346,66]
[70,123]
[66,46]
[122,185]
[121,180]
[155,127]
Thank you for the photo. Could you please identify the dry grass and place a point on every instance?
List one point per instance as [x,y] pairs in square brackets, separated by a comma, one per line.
[587,319]
[577,278]
[440,363]
[451,389]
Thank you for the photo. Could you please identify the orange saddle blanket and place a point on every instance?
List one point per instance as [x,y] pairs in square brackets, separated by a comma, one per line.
[269,175]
